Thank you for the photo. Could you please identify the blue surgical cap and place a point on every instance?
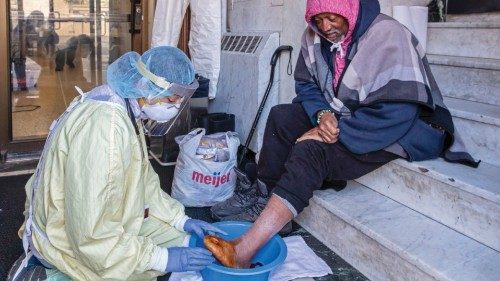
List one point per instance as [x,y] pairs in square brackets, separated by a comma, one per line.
[127,75]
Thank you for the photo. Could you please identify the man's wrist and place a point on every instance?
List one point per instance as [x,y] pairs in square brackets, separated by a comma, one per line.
[320,114]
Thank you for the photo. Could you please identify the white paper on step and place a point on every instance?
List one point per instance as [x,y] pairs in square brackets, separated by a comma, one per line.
[300,262]
[415,19]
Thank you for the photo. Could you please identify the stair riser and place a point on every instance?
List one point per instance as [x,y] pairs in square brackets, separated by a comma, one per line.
[466,42]
[481,140]
[364,253]
[464,212]
[480,85]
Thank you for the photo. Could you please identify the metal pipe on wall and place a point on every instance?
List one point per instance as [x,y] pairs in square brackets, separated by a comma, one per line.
[226,7]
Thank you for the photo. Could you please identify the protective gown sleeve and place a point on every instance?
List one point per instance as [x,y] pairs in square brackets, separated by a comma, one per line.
[100,180]
[161,205]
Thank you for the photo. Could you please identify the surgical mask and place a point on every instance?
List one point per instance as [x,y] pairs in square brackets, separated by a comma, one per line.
[161,112]
[161,116]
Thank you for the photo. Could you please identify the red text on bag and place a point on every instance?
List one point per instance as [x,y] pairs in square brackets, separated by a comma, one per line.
[215,180]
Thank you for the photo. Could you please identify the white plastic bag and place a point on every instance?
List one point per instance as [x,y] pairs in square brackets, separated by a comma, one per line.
[198,182]
[167,22]
[205,40]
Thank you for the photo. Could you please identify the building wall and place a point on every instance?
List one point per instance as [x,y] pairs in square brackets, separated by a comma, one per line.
[283,16]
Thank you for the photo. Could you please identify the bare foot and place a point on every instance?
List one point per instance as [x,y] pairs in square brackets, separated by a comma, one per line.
[231,254]
[242,254]
[224,251]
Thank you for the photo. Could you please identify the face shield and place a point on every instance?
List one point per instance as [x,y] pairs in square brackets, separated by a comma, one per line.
[160,72]
[162,115]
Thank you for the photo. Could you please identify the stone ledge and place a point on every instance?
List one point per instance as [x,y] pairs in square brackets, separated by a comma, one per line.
[482,181]
[400,240]
[482,25]
[466,62]
[475,111]
[462,198]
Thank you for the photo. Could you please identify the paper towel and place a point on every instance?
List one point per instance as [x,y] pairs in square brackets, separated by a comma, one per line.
[415,19]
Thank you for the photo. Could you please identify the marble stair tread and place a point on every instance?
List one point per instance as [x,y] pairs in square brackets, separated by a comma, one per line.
[466,39]
[482,25]
[482,181]
[466,62]
[475,111]
[430,246]
[462,198]
[467,78]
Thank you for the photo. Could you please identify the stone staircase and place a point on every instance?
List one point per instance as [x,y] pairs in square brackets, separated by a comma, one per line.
[430,220]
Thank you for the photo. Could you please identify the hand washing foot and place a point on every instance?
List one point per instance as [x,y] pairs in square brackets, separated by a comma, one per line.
[228,253]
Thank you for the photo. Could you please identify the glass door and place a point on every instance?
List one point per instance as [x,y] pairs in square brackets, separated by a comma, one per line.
[53,46]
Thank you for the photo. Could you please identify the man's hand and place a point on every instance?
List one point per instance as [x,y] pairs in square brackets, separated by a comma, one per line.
[328,128]
[311,135]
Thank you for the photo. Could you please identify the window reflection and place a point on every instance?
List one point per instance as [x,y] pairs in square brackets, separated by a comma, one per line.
[54,46]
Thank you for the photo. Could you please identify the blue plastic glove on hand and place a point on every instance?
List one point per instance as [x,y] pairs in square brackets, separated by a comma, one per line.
[201,228]
[182,259]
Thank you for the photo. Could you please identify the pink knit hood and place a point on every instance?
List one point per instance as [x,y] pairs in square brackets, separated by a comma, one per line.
[346,8]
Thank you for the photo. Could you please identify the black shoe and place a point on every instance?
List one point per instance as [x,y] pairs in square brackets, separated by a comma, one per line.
[245,195]
[337,185]
[251,212]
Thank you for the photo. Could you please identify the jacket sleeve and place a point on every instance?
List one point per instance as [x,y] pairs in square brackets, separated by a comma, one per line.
[96,205]
[309,95]
[375,127]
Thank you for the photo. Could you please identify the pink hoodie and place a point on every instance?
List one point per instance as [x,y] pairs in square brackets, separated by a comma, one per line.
[346,8]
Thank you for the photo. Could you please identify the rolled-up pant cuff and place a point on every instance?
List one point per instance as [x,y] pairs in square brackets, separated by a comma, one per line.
[288,205]
[294,204]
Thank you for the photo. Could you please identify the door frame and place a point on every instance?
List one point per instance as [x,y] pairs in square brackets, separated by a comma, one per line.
[16,148]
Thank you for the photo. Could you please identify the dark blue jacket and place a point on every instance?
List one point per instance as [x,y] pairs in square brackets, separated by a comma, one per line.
[377,126]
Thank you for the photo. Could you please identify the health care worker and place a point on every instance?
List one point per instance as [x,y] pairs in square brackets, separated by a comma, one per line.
[94,207]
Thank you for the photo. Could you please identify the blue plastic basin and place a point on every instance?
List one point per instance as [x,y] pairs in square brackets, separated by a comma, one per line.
[271,255]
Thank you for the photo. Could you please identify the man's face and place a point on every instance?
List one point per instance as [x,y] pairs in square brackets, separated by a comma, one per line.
[332,26]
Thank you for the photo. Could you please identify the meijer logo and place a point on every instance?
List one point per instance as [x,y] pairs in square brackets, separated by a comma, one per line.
[216,179]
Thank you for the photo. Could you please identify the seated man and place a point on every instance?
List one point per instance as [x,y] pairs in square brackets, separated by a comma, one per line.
[82,43]
[365,96]
[94,207]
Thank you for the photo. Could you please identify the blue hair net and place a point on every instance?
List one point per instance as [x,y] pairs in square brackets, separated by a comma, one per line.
[135,76]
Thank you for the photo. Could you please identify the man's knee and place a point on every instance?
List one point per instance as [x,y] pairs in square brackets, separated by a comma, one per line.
[309,149]
[279,110]
[283,115]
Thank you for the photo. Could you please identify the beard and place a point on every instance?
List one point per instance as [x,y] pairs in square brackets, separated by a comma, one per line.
[335,35]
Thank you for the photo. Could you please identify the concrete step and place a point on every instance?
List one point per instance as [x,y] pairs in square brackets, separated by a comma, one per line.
[479,127]
[388,241]
[466,78]
[465,39]
[477,17]
[460,197]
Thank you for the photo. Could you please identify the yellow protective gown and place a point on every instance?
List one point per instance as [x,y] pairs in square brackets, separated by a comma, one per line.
[91,199]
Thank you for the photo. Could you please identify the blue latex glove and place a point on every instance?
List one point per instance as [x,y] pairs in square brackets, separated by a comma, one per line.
[201,228]
[182,259]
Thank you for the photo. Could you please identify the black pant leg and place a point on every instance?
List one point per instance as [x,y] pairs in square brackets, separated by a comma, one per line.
[20,69]
[60,58]
[311,162]
[70,56]
[285,124]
